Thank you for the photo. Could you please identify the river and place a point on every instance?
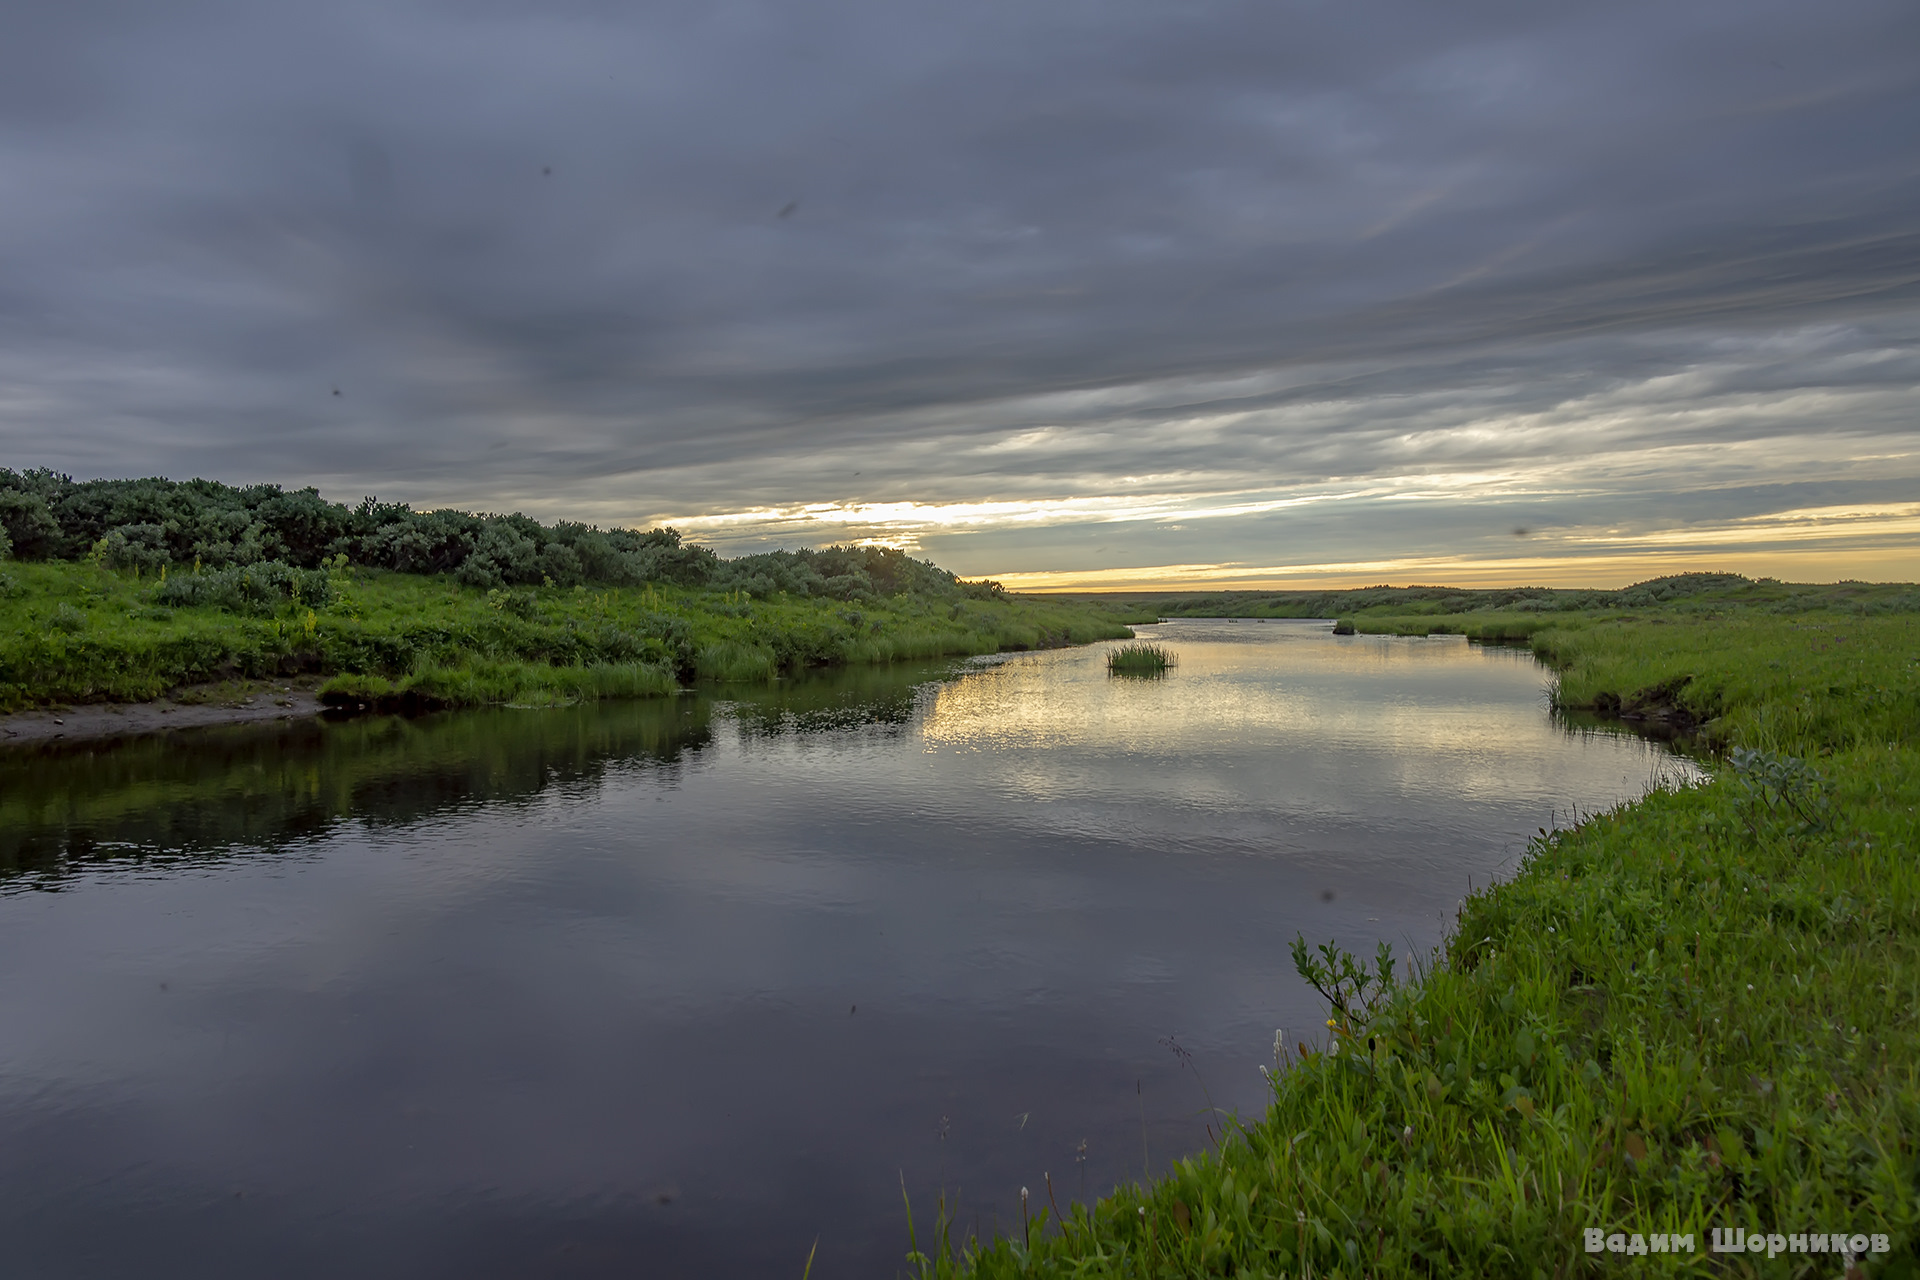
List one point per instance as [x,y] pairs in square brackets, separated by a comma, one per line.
[690,987]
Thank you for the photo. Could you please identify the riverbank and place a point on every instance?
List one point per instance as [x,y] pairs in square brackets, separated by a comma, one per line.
[76,633]
[1695,1012]
[192,707]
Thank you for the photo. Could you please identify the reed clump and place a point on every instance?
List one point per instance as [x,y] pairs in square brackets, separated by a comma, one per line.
[1140,660]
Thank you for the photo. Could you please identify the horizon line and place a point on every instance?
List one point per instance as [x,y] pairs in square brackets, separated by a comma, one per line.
[1880,566]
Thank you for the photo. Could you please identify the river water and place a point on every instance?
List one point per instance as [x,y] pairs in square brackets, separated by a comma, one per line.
[690,987]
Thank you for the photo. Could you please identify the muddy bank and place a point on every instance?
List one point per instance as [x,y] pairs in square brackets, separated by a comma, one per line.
[1656,709]
[230,703]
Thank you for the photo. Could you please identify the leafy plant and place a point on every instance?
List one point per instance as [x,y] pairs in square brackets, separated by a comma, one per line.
[1344,982]
[520,604]
[1773,787]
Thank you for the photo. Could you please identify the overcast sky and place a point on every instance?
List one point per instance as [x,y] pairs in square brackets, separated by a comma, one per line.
[1062,291]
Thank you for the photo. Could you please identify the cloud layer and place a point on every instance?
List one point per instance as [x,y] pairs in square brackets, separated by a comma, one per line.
[1077,290]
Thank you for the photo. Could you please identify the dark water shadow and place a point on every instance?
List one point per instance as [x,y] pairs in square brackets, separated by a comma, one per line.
[205,795]
[831,699]
[1690,744]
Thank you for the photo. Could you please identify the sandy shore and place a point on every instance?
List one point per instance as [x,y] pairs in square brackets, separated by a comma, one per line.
[186,709]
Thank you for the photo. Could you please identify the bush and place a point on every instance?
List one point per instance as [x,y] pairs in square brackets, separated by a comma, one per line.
[149,522]
[145,524]
[134,546]
[27,524]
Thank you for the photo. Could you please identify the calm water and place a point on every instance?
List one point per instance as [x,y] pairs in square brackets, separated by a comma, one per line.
[676,989]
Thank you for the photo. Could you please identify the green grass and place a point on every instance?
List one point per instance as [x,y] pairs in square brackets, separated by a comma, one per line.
[1810,682]
[1700,1010]
[73,632]
[1139,660]
[484,683]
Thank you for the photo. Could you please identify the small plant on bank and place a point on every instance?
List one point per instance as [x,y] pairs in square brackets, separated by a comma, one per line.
[1139,660]
[68,619]
[1775,788]
[1350,989]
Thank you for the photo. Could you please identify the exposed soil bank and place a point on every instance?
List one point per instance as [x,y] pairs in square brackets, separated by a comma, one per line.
[192,707]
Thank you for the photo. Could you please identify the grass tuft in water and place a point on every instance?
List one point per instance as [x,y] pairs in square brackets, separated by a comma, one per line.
[1139,660]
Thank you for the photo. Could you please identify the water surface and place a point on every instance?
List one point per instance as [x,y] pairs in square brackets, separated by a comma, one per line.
[678,988]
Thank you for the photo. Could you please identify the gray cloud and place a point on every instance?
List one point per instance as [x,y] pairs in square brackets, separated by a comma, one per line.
[1033,251]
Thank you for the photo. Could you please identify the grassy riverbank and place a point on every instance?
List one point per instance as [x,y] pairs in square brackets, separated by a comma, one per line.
[1701,1010]
[74,632]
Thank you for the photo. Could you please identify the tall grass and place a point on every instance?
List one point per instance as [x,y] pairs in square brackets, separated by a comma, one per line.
[1699,1011]
[489,683]
[917,643]
[732,662]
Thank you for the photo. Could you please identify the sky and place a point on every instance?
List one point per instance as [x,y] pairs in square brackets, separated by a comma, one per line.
[1069,293]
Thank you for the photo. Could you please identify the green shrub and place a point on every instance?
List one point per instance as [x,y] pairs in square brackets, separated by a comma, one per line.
[138,547]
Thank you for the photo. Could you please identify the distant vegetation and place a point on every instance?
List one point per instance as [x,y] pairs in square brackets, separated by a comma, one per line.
[123,589]
[144,526]
[1516,613]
